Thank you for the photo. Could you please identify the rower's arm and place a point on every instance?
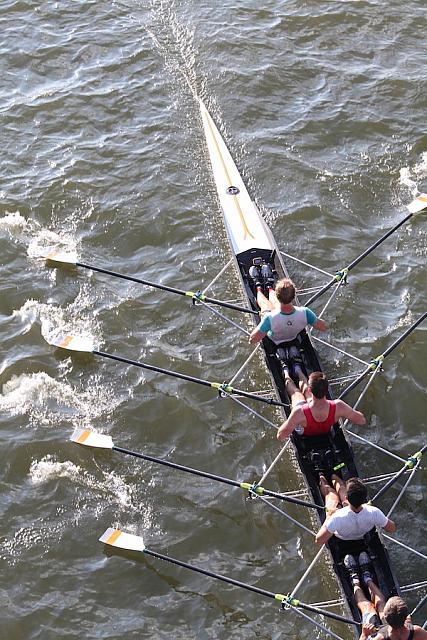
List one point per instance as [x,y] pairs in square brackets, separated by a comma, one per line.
[345,411]
[256,336]
[320,324]
[420,633]
[323,535]
[295,418]
[390,527]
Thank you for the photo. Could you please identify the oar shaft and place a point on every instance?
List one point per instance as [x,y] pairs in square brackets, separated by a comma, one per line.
[244,585]
[354,384]
[211,574]
[123,276]
[163,287]
[183,376]
[216,478]
[387,352]
[378,242]
[419,605]
[179,467]
[356,261]
[396,477]
[405,334]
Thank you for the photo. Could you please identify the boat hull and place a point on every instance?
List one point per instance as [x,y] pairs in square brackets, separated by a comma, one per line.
[250,238]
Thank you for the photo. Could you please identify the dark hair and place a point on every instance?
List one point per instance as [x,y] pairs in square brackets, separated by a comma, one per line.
[285,290]
[318,384]
[395,612]
[357,493]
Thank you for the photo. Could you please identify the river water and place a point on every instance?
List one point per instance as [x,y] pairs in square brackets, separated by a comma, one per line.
[322,105]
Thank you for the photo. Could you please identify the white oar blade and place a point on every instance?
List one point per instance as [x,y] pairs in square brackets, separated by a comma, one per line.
[72,343]
[120,540]
[61,256]
[92,439]
[418,204]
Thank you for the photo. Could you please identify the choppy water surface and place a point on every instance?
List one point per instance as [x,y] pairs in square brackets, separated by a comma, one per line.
[321,104]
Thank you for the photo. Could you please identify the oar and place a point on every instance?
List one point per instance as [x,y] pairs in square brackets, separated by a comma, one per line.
[419,606]
[377,362]
[93,439]
[417,205]
[85,345]
[130,542]
[71,259]
[411,462]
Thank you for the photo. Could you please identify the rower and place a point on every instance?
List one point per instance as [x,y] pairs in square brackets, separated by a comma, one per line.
[281,320]
[356,518]
[398,625]
[312,413]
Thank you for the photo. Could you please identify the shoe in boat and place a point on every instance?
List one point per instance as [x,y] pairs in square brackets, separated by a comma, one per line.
[255,274]
[267,275]
[351,566]
[365,567]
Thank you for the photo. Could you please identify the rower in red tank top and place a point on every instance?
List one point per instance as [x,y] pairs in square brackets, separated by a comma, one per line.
[310,402]
[316,427]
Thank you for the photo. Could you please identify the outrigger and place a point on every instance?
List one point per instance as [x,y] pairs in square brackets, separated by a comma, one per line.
[252,243]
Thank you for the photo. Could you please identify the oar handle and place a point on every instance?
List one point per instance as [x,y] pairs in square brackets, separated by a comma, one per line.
[419,605]
[354,383]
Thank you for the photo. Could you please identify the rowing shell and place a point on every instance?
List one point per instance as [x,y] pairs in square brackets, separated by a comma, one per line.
[250,238]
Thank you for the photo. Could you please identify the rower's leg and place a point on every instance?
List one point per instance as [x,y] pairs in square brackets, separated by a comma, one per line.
[292,390]
[272,297]
[264,303]
[302,382]
[364,605]
[377,597]
[339,486]
[331,497]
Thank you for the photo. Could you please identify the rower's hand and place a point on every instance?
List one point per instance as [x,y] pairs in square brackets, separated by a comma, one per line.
[367,630]
[321,325]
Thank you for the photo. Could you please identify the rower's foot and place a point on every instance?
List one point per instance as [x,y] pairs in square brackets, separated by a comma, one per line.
[255,274]
[267,273]
[365,567]
[351,566]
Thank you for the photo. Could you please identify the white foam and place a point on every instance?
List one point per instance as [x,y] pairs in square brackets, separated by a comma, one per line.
[48,401]
[410,177]
[110,484]
[46,241]
[15,225]
[76,318]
